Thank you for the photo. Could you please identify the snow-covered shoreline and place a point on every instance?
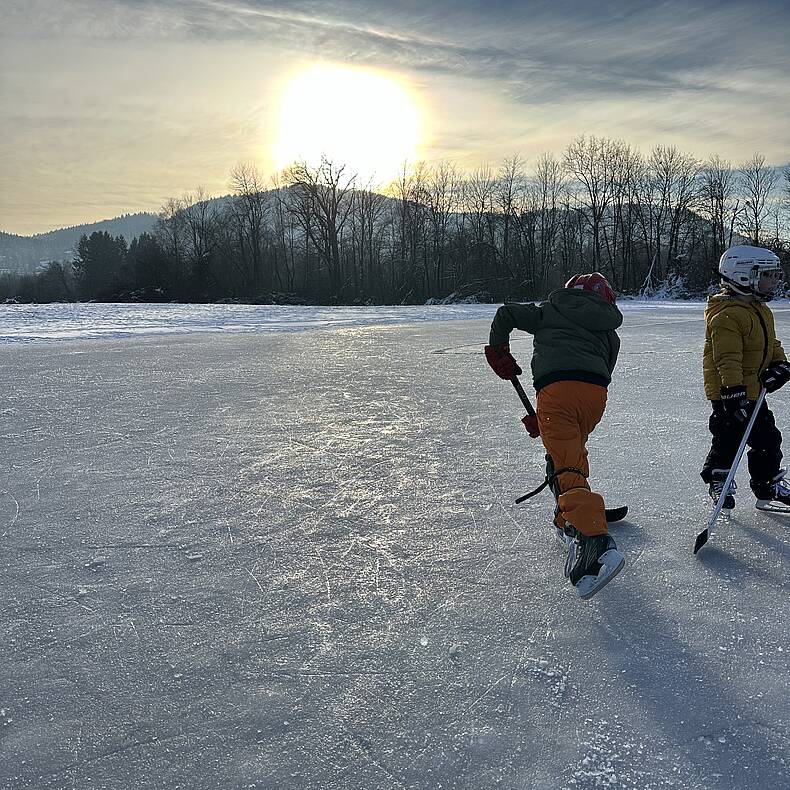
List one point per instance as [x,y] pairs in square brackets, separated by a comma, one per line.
[27,323]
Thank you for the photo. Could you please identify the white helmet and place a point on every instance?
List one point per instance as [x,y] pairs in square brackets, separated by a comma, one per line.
[751,271]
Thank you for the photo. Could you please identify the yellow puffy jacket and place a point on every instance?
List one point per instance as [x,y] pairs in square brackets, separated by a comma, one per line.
[740,343]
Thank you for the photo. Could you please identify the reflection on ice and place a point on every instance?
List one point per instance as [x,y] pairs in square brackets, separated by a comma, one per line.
[21,323]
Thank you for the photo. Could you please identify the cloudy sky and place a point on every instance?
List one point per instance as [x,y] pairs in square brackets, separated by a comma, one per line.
[112,106]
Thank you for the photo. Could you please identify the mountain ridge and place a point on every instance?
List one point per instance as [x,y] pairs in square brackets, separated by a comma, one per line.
[25,254]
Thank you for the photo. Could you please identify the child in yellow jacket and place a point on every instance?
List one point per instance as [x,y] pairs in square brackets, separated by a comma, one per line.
[741,355]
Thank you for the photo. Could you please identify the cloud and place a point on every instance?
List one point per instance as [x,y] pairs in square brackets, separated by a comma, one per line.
[496,76]
[532,52]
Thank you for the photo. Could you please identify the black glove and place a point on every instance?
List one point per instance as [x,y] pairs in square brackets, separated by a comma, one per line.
[735,402]
[776,376]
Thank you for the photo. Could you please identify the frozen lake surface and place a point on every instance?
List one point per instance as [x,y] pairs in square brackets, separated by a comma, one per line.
[86,321]
[261,559]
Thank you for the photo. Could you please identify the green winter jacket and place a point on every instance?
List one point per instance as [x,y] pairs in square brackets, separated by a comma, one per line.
[575,338]
[740,343]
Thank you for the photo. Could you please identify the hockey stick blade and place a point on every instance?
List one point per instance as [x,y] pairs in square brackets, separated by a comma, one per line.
[702,539]
[616,514]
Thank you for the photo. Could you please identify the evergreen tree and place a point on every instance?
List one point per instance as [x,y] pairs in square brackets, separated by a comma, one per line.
[147,269]
[98,265]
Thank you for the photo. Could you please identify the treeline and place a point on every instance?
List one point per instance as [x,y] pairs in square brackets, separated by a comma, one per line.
[315,234]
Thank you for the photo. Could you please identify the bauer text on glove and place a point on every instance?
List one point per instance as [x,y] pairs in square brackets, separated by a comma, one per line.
[735,402]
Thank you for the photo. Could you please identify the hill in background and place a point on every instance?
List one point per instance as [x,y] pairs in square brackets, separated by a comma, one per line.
[25,254]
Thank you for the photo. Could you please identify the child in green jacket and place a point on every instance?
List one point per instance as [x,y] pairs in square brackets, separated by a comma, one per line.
[574,353]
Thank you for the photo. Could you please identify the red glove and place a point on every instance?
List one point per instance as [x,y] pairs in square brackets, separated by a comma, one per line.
[502,362]
[531,424]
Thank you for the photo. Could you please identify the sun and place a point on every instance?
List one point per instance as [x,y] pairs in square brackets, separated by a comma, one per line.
[354,117]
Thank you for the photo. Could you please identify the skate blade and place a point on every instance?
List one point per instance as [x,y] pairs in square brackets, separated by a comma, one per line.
[615,514]
[612,563]
[771,507]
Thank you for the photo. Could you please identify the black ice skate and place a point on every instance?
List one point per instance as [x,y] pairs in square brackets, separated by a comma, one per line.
[774,495]
[719,478]
[592,563]
[567,537]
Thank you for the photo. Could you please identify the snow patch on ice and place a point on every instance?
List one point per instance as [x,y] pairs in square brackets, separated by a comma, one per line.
[554,676]
[611,757]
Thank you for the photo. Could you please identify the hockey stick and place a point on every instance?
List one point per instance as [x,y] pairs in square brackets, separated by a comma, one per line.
[706,533]
[523,395]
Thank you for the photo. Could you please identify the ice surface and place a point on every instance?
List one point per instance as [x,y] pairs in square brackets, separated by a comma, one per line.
[20,323]
[26,322]
[293,560]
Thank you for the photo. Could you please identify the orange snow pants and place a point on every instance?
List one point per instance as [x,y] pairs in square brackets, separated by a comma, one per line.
[567,413]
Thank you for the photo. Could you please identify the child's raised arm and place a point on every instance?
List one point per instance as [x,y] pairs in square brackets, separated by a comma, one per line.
[526,317]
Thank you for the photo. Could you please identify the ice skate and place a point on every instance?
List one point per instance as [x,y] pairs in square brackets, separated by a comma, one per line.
[773,496]
[719,478]
[566,538]
[593,561]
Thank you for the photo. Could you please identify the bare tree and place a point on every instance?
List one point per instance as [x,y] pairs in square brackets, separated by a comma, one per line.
[200,218]
[719,202]
[508,189]
[481,186]
[682,174]
[667,189]
[591,161]
[366,231]
[441,193]
[409,264]
[286,237]
[757,184]
[171,234]
[250,210]
[326,192]
[621,240]
[540,220]
[479,205]
[785,201]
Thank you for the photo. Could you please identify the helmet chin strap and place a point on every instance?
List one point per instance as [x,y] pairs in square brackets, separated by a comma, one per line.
[738,288]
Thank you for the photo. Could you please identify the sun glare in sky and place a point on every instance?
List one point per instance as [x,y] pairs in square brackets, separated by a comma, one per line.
[355,117]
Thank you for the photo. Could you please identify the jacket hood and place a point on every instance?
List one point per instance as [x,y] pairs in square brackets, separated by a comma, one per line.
[724,299]
[586,309]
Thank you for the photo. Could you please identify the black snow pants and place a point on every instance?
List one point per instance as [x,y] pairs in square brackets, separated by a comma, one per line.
[764,444]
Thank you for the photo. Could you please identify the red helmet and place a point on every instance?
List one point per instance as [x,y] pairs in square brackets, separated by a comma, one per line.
[594,282]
